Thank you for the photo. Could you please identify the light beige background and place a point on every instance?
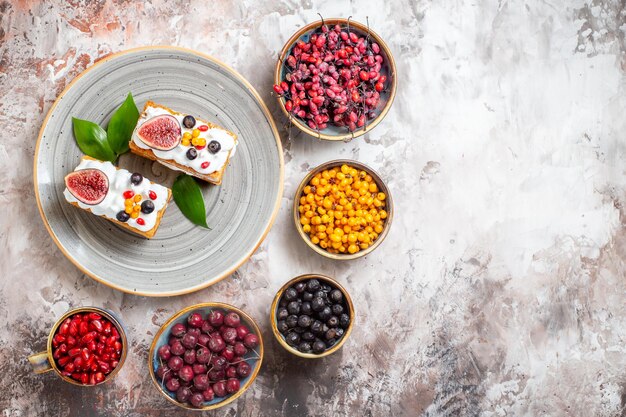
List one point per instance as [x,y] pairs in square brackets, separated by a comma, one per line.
[500,289]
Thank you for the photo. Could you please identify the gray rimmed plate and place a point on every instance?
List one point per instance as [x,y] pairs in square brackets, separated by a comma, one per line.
[181,258]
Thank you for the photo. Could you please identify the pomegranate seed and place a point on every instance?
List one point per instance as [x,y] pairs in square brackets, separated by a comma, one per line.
[104,367]
[141,221]
[88,337]
[71,341]
[64,328]
[203,128]
[64,360]
[128,194]
[97,325]
[69,367]
[73,328]
[205,164]
[98,377]
[153,196]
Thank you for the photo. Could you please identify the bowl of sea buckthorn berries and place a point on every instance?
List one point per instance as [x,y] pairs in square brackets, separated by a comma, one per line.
[335,79]
[343,209]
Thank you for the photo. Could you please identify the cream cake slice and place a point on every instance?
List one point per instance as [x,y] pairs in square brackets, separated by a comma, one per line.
[129,200]
[182,142]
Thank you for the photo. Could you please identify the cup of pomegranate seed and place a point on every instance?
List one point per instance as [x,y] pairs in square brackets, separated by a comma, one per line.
[87,346]
[312,316]
[335,79]
[206,356]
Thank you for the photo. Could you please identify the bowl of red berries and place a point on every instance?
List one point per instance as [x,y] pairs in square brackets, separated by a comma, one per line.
[206,356]
[87,346]
[335,79]
[312,316]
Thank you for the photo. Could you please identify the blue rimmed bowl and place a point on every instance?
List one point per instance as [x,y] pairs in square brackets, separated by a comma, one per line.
[332,132]
[253,358]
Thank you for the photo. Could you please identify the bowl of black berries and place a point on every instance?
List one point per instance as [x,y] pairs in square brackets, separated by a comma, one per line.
[312,316]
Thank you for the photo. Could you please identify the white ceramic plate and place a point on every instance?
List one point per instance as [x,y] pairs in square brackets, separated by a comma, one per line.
[181,258]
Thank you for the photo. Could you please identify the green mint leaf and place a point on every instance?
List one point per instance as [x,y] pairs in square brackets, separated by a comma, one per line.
[122,124]
[188,198]
[92,140]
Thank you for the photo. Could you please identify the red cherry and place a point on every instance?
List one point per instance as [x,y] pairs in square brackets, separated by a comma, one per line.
[141,221]
[152,195]
[128,194]
[203,128]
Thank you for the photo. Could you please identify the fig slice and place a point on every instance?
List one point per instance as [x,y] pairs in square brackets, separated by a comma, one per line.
[89,186]
[160,132]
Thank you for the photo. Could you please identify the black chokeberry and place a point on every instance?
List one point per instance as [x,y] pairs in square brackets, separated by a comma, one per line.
[304,347]
[189,121]
[318,346]
[304,321]
[317,304]
[214,146]
[282,326]
[122,216]
[330,334]
[290,294]
[147,207]
[333,321]
[337,309]
[293,339]
[282,313]
[321,294]
[344,320]
[293,307]
[136,178]
[316,327]
[300,287]
[292,321]
[325,313]
[307,296]
[336,296]
[313,285]
[192,154]
[305,308]
[308,336]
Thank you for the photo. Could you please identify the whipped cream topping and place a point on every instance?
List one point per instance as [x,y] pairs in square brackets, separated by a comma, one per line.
[113,203]
[179,153]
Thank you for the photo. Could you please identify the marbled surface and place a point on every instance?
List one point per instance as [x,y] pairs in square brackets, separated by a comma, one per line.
[500,288]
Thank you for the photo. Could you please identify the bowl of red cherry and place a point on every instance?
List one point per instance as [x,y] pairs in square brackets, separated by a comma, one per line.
[206,356]
[335,79]
[87,346]
[312,316]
